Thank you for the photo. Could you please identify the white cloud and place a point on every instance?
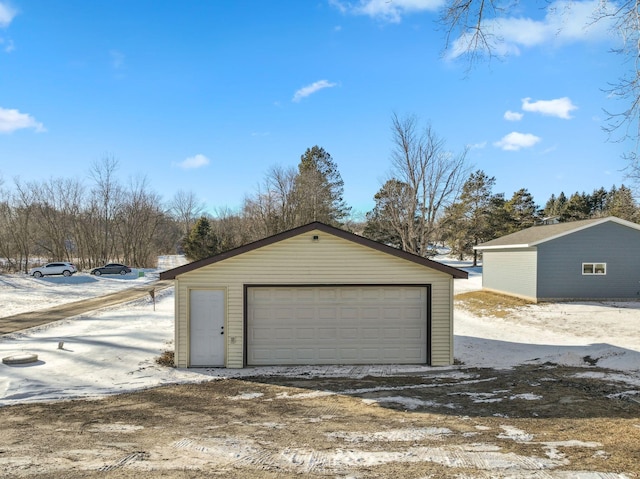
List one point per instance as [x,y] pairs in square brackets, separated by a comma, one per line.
[565,21]
[7,14]
[9,46]
[12,120]
[117,59]
[310,89]
[515,141]
[197,161]
[512,115]
[386,10]
[560,107]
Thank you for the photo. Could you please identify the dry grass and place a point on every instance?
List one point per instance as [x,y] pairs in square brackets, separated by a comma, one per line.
[487,303]
[166,359]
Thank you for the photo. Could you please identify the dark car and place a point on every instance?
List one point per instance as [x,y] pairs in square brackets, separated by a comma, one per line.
[111,268]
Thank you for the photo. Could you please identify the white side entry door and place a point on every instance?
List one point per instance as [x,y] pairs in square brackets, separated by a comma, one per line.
[206,328]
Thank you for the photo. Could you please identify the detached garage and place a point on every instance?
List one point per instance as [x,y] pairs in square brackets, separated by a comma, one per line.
[313,295]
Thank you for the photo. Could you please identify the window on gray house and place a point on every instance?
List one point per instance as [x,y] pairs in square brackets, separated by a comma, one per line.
[594,268]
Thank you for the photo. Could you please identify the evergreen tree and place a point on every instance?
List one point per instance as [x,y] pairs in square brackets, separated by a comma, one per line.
[561,203]
[201,242]
[577,208]
[499,218]
[467,222]
[388,215]
[455,231]
[622,204]
[598,202]
[522,209]
[319,189]
[550,206]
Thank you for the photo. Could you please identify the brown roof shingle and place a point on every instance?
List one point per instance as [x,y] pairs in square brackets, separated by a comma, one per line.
[539,234]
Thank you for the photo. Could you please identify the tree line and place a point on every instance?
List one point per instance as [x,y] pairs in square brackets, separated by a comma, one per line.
[64,220]
[430,197]
[480,215]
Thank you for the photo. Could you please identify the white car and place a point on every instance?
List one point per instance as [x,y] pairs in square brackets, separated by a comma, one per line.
[64,268]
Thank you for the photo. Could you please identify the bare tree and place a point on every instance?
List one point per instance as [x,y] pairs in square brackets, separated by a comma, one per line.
[427,177]
[186,209]
[471,31]
[626,122]
[274,207]
[466,29]
[57,204]
[139,217]
[105,202]
[19,218]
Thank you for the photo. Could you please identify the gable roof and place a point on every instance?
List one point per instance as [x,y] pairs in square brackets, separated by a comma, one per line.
[455,272]
[535,235]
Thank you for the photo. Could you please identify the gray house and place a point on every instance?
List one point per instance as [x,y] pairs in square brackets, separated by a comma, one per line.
[580,260]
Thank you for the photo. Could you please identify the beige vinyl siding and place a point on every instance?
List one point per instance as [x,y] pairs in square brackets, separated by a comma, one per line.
[300,260]
[511,271]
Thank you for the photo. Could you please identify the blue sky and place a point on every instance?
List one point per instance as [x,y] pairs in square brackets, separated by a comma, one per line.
[206,96]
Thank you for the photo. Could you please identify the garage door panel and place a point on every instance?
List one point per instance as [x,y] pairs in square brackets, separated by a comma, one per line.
[305,333]
[326,354]
[261,334]
[327,294]
[306,355]
[412,313]
[349,356]
[326,313]
[348,294]
[327,333]
[336,325]
[370,333]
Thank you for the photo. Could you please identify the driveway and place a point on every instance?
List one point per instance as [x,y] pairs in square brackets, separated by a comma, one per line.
[18,322]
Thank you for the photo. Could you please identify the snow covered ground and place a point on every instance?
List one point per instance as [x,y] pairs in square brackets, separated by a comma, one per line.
[114,350]
[561,333]
[20,293]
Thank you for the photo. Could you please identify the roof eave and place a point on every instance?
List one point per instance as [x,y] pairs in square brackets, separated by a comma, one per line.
[455,272]
[505,246]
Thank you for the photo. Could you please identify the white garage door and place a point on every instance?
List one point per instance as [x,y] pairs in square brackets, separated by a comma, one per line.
[337,325]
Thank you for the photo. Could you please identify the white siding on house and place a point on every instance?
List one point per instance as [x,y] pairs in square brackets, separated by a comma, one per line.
[300,260]
[511,271]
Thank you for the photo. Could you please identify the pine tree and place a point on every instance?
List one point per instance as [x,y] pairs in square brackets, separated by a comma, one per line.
[388,215]
[467,222]
[622,204]
[201,242]
[577,208]
[319,189]
[598,202]
[522,209]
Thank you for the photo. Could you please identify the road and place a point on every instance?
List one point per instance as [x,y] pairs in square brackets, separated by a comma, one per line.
[18,322]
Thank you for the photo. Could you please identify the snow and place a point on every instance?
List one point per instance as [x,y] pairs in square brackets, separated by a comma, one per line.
[23,293]
[114,350]
[604,332]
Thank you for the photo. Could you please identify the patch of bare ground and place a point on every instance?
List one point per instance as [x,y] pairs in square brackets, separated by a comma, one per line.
[530,422]
[487,303]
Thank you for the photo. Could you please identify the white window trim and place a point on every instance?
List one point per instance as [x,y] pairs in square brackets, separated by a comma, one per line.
[593,265]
